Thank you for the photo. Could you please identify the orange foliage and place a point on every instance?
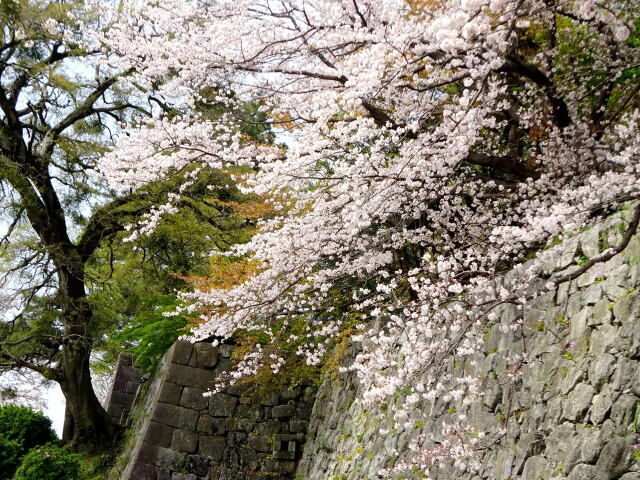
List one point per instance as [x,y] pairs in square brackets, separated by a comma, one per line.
[225,274]
[284,120]
[421,6]
[250,210]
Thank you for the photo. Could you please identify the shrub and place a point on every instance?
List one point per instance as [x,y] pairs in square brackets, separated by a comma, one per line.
[21,429]
[49,462]
[10,453]
[24,425]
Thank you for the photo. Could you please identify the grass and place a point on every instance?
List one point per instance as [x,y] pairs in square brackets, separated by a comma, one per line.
[96,466]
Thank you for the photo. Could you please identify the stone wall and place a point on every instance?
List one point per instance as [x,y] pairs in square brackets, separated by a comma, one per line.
[126,382]
[179,434]
[573,414]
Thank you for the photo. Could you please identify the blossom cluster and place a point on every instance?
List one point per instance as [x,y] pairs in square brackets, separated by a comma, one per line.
[430,145]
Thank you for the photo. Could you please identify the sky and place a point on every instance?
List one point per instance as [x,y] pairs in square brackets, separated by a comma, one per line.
[54,409]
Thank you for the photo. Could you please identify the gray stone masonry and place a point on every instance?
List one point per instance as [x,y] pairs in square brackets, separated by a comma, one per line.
[573,414]
[180,434]
[126,382]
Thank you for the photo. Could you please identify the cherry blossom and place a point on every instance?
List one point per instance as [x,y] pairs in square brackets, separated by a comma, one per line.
[431,146]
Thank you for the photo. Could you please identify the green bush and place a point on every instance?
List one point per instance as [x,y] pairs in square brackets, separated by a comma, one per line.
[24,425]
[21,429]
[49,462]
[10,453]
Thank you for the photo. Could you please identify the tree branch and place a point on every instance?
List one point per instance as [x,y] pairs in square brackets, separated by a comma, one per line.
[610,253]
[516,65]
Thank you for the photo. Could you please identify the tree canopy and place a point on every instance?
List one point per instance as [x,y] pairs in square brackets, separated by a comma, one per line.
[431,145]
[69,277]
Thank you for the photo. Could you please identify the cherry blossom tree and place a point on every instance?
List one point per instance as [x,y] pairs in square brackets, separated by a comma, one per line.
[430,146]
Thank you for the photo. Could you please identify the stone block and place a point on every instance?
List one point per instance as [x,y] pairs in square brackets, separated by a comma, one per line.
[291,393]
[285,443]
[170,393]
[222,405]
[584,472]
[184,440]
[603,339]
[204,423]
[239,388]
[303,410]
[224,473]
[534,468]
[118,382]
[249,458]
[194,398]
[143,471]
[219,426]
[159,434]
[614,460]
[627,308]
[600,369]
[630,476]
[130,373]
[204,355]
[298,426]
[601,313]
[223,366]
[249,411]
[236,438]
[184,476]
[623,412]
[634,335]
[285,467]
[115,410]
[125,358]
[600,406]
[231,458]
[121,398]
[212,447]
[190,376]
[242,424]
[283,411]
[575,405]
[180,352]
[163,473]
[174,416]
[591,295]
[196,464]
[271,400]
[132,387]
[269,427]
[591,446]
[261,443]
[284,455]
[528,445]
[624,375]
[160,456]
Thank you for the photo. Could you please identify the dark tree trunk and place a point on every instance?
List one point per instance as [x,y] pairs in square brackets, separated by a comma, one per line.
[67,429]
[89,426]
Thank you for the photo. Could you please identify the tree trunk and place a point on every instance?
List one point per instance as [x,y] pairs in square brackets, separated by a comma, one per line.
[89,425]
[93,428]
[67,429]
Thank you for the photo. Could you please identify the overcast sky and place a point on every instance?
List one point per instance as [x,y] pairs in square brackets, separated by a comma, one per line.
[55,407]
